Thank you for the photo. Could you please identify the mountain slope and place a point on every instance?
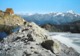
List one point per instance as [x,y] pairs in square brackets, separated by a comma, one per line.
[51,28]
[31,40]
[9,21]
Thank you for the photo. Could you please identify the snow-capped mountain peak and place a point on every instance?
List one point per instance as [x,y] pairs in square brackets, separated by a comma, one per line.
[59,13]
[71,11]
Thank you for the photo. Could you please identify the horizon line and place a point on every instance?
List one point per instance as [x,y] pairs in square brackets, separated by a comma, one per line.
[28,12]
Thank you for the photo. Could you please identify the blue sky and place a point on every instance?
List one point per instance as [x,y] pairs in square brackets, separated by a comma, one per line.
[41,6]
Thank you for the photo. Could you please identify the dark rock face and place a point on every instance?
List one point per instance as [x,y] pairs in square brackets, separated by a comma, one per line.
[51,28]
[30,37]
[48,44]
[33,42]
[73,27]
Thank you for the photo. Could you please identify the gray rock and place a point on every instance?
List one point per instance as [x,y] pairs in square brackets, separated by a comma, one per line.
[27,42]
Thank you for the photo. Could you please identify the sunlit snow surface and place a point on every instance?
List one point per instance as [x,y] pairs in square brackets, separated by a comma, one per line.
[69,39]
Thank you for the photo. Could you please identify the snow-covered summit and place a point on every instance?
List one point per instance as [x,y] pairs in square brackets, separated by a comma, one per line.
[71,11]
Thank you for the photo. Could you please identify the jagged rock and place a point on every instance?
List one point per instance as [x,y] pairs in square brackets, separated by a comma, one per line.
[19,44]
[9,10]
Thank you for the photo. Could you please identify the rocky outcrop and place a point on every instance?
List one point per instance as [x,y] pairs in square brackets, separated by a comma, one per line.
[31,40]
[9,21]
[9,10]
[50,28]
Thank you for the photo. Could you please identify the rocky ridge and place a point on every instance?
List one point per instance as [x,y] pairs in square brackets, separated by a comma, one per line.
[31,40]
[9,20]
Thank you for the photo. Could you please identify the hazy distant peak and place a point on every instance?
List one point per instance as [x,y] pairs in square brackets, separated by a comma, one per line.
[60,13]
[71,11]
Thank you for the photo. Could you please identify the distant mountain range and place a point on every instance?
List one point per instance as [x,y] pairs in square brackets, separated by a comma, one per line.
[56,18]
[59,22]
